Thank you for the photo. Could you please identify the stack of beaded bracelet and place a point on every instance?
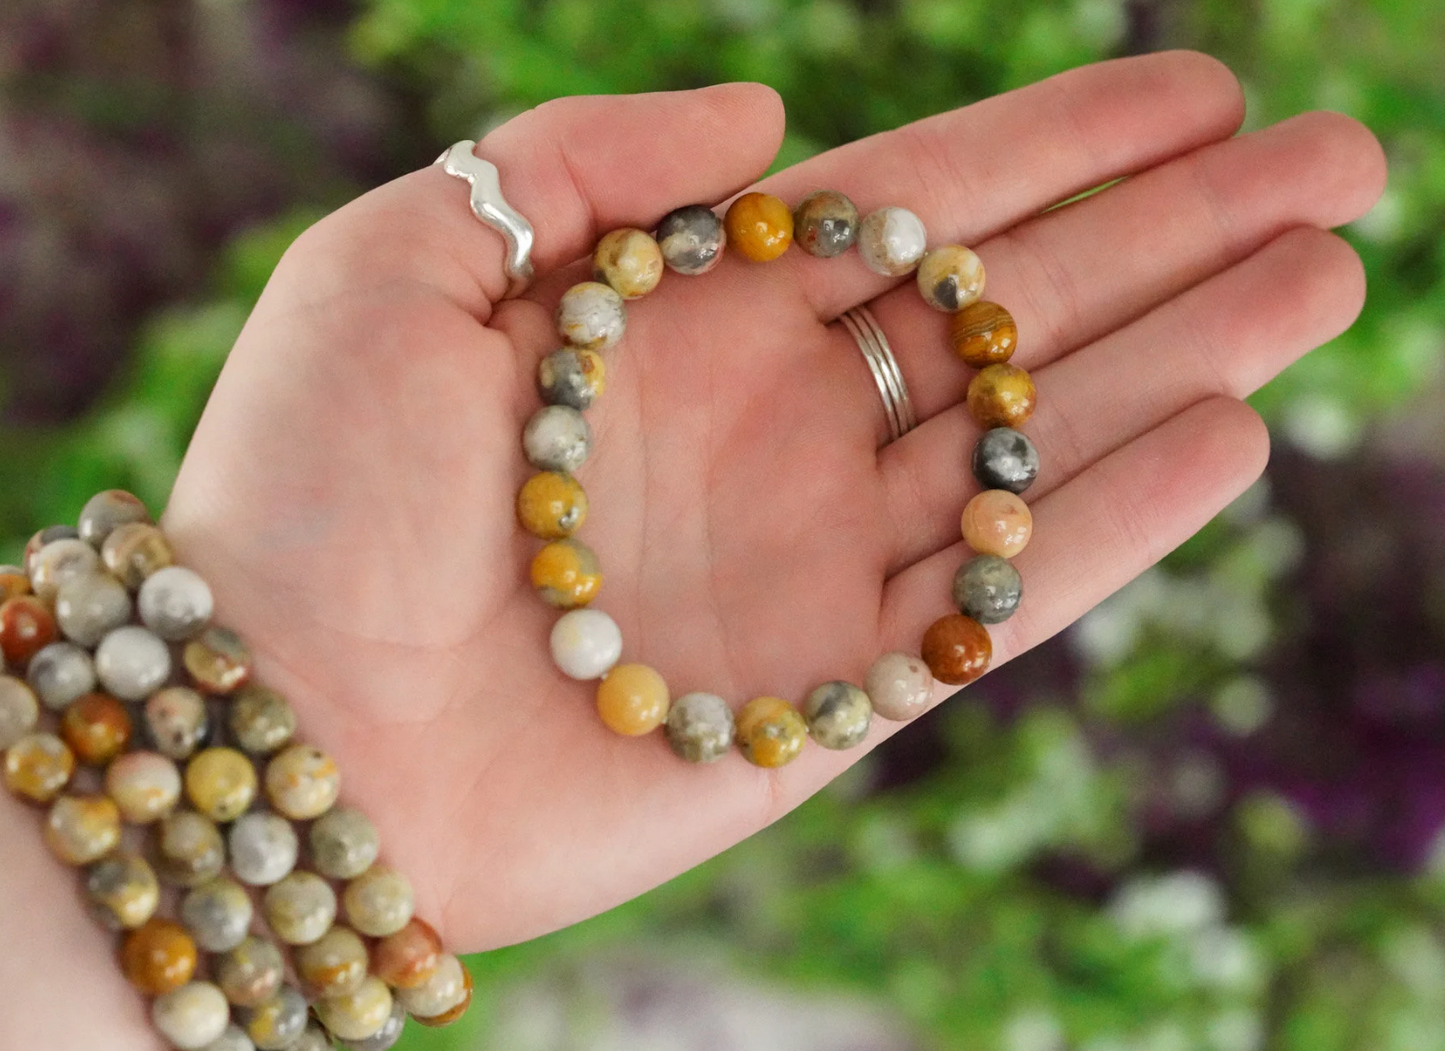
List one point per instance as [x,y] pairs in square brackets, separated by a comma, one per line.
[116,642]
[633,699]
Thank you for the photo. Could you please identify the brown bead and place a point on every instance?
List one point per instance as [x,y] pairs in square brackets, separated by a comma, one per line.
[13,582]
[134,551]
[983,334]
[218,660]
[1001,395]
[409,957]
[26,627]
[957,649]
[97,727]
[760,226]
[158,956]
[38,767]
[82,829]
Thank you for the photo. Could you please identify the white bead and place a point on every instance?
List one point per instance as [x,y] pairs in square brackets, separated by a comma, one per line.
[892,241]
[586,643]
[557,438]
[192,1016]
[591,315]
[131,662]
[175,603]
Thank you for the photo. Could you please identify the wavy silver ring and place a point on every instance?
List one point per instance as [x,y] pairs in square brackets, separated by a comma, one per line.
[492,208]
[897,405]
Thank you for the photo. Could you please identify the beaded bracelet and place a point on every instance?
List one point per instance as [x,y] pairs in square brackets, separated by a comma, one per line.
[119,656]
[586,644]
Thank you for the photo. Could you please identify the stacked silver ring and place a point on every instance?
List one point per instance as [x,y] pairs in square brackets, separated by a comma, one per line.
[897,405]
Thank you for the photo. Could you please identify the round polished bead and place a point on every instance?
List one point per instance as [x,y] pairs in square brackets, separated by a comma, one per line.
[192,1016]
[14,581]
[983,334]
[263,848]
[892,241]
[379,901]
[38,767]
[45,536]
[825,224]
[233,1039]
[300,908]
[566,574]
[632,700]
[175,603]
[218,660]
[387,1036]
[175,721]
[950,278]
[103,512]
[134,551]
[278,1021]
[357,1015]
[957,649]
[344,843]
[1005,459]
[97,728]
[409,957]
[218,914]
[190,850]
[132,662]
[988,589]
[26,627]
[261,720]
[333,965]
[586,643]
[122,891]
[760,226]
[250,973]
[443,997]
[145,786]
[302,782]
[572,376]
[629,260]
[314,1039]
[59,561]
[557,438]
[61,673]
[158,956]
[692,239]
[700,727]
[1001,395]
[221,783]
[82,829]
[770,731]
[591,315]
[88,608]
[838,715]
[19,710]
[996,522]
[551,505]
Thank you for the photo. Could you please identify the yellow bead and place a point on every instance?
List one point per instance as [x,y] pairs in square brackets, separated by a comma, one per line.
[82,829]
[551,505]
[566,574]
[771,731]
[760,226]
[38,767]
[221,783]
[632,700]
[1001,395]
[302,782]
[630,261]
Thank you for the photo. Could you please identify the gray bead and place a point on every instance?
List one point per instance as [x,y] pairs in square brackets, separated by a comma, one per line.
[264,848]
[104,511]
[344,843]
[557,438]
[175,603]
[19,709]
[838,714]
[88,607]
[565,377]
[189,850]
[132,662]
[233,1039]
[988,589]
[261,720]
[1005,459]
[60,673]
[385,1037]
[692,239]
[176,721]
[825,224]
[314,1039]
[700,727]
[277,1022]
[591,315]
[218,914]
[299,909]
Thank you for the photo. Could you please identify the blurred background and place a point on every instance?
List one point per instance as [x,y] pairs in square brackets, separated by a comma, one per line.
[1209,816]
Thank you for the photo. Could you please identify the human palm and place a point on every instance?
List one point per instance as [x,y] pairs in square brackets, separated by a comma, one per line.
[349,491]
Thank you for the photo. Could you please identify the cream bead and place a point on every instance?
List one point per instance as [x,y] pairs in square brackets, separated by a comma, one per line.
[175,603]
[586,643]
[379,901]
[900,686]
[438,994]
[192,1016]
[358,1015]
[591,315]
[892,241]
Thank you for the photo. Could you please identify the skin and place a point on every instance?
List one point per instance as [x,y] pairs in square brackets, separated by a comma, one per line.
[349,491]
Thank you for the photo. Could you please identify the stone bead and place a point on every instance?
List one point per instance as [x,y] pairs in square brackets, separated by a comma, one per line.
[333,965]
[192,1016]
[572,376]
[314,1039]
[566,574]
[591,315]
[344,843]
[218,660]
[97,728]
[82,829]
[221,783]
[263,848]
[190,850]
[122,891]
[900,686]
[996,522]
[1005,459]
[278,1021]
[45,536]
[700,727]
[409,957]
[585,643]
[358,1015]
[771,731]
[551,505]
[145,786]
[175,603]
[61,673]
[632,700]
[838,715]
[38,767]
[950,278]
[378,902]
[629,260]
[233,1039]
[557,438]
[387,1036]
[218,914]
[88,608]
[988,589]
[158,956]
[957,649]
[1001,395]
[176,721]
[825,224]
[134,551]
[443,997]
[692,239]
[760,226]
[103,512]
[250,973]
[14,582]
[261,720]
[131,662]
[299,908]
[302,782]
[59,561]
[26,627]
[892,241]
[19,710]
[983,334]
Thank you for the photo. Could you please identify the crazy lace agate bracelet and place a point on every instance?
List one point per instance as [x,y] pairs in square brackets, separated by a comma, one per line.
[162,763]
[586,644]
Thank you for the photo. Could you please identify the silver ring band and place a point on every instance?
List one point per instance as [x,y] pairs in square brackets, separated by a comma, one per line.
[897,405]
[492,208]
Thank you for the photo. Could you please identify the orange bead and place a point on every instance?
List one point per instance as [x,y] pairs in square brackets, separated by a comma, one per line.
[957,649]
[996,522]
[770,731]
[983,334]
[97,727]
[551,505]
[632,700]
[566,574]
[760,226]
[13,582]
[1001,395]
[158,956]
[26,627]
[409,957]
